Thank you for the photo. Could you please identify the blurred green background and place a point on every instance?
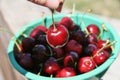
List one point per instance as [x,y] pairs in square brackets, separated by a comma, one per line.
[109,8]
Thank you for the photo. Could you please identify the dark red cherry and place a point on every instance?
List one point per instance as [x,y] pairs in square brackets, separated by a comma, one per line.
[51,66]
[79,36]
[37,29]
[28,43]
[92,38]
[40,53]
[73,45]
[92,28]
[67,22]
[86,64]
[71,59]
[100,57]
[25,60]
[59,52]
[66,72]
[90,48]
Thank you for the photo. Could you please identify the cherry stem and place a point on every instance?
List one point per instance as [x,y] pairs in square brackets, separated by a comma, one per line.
[51,76]
[24,35]
[41,65]
[15,41]
[95,63]
[5,30]
[103,29]
[16,44]
[42,15]
[87,32]
[51,53]
[112,48]
[110,44]
[73,9]
[53,20]
[39,73]
[59,59]
[87,11]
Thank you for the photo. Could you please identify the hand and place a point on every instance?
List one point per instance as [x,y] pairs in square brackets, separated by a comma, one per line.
[52,4]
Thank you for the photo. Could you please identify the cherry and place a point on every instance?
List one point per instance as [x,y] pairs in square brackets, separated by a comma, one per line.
[40,53]
[73,45]
[102,43]
[90,48]
[51,66]
[92,38]
[41,39]
[66,72]
[67,22]
[28,43]
[100,57]
[86,64]
[92,28]
[57,36]
[58,52]
[37,29]
[25,60]
[79,36]
[71,59]
[76,27]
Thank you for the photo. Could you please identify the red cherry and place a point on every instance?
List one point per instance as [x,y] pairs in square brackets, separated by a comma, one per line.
[37,29]
[66,72]
[102,43]
[100,57]
[67,22]
[57,37]
[73,45]
[86,64]
[51,66]
[92,28]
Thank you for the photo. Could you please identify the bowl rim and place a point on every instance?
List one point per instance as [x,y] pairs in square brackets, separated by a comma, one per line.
[84,76]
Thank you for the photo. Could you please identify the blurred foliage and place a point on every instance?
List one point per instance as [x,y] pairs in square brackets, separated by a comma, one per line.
[109,8]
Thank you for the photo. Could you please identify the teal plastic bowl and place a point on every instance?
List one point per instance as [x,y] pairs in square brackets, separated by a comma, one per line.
[88,19]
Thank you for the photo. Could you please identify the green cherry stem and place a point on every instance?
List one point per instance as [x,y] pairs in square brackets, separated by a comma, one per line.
[5,30]
[59,59]
[16,43]
[14,38]
[87,11]
[73,9]
[39,73]
[42,15]
[53,20]
[103,29]
[24,35]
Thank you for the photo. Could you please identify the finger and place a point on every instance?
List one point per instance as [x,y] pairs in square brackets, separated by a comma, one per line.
[40,2]
[59,7]
[52,4]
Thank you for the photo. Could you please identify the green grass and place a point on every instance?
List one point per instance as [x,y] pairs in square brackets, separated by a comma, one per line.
[109,8]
